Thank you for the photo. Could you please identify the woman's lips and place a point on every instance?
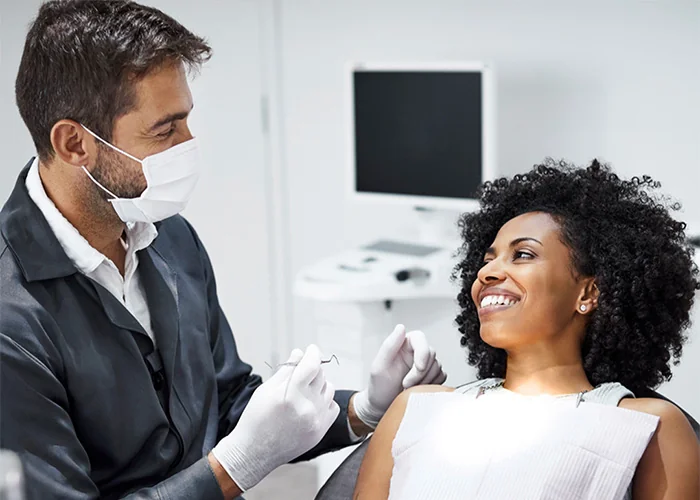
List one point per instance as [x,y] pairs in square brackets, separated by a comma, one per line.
[490,310]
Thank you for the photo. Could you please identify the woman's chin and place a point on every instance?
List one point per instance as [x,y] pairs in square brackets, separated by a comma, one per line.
[500,338]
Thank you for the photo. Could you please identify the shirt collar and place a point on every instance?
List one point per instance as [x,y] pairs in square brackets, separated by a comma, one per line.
[85,257]
[140,235]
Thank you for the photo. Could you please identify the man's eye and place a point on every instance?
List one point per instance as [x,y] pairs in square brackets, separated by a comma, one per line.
[167,133]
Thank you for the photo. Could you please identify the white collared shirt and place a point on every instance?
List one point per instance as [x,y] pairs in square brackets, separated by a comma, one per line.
[93,264]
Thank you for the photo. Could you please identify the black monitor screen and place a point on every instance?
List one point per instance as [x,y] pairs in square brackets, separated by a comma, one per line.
[418,132]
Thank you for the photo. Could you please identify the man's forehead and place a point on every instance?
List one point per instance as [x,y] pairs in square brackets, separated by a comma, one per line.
[162,92]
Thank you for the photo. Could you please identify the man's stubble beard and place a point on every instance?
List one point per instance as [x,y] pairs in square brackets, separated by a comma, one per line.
[115,176]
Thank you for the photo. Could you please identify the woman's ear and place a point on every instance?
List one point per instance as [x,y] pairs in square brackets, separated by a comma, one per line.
[588,299]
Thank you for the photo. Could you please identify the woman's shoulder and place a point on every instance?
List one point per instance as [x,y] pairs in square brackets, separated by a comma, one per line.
[672,423]
[666,411]
[672,454]
[400,403]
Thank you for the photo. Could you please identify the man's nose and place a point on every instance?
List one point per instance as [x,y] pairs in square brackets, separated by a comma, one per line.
[184,134]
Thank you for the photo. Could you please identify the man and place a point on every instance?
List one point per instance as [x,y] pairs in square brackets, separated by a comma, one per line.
[120,375]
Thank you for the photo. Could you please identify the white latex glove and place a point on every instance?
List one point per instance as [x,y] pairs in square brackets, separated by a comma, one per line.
[403,361]
[286,417]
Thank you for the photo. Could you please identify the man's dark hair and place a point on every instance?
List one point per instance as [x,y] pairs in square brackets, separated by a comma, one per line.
[618,231]
[82,59]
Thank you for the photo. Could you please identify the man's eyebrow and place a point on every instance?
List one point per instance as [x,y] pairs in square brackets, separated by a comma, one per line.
[170,118]
[492,250]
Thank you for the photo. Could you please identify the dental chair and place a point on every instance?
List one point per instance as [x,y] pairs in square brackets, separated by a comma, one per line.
[341,484]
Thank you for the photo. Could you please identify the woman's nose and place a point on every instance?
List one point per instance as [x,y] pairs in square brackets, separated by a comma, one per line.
[491,271]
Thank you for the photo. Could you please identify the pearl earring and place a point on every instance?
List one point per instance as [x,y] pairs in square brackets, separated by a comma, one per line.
[583,308]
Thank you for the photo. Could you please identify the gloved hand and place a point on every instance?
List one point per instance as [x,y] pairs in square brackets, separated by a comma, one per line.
[403,361]
[286,417]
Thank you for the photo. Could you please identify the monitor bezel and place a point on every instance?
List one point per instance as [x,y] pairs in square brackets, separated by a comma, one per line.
[488,167]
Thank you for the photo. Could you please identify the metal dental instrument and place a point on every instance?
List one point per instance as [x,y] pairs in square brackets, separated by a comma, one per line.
[295,363]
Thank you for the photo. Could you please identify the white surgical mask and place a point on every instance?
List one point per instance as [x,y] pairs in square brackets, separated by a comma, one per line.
[171,177]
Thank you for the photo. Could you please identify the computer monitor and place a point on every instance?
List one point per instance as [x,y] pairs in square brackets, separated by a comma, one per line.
[421,134]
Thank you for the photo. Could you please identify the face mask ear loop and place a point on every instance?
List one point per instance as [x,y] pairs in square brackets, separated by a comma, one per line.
[108,144]
[98,184]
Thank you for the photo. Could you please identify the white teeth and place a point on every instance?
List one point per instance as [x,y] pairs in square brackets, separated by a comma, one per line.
[497,300]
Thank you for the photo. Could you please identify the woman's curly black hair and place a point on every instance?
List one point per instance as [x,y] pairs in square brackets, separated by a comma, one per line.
[618,231]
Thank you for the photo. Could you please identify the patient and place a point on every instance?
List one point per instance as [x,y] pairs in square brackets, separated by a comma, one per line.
[576,291]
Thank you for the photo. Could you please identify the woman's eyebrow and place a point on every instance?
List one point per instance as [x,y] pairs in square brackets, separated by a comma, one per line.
[492,250]
[526,238]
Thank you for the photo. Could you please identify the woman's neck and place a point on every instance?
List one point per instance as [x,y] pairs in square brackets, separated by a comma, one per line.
[540,373]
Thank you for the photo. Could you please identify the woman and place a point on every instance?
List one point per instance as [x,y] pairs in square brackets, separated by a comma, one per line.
[576,291]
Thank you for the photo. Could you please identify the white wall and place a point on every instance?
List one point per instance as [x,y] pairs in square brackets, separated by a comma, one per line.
[617,80]
[17,146]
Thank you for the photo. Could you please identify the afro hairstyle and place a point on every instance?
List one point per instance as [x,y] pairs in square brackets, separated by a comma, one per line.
[618,231]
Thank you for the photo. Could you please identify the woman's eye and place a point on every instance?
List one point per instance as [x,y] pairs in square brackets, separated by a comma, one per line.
[520,254]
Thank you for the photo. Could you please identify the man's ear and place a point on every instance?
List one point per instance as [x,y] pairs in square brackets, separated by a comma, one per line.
[72,144]
[588,298]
